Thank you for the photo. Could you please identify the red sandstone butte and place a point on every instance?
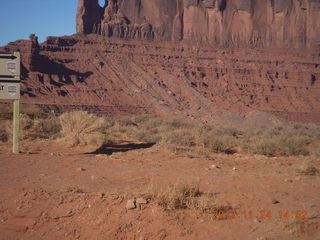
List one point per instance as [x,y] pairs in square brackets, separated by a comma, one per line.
[247,23]
[231,61]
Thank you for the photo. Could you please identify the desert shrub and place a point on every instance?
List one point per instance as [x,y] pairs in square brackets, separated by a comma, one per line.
[33,111]
[302,225]
[179,124]
[280,141]
[265,146]
[180,195]
[74,189]
[140,119]
[146,135]
[294,146]
[4,136]
[308,169]
[43,128]
[179,137]
[47,128]
[218,140]
[82,128]
[5,111]
[124,122]
[280,146]
[25,124]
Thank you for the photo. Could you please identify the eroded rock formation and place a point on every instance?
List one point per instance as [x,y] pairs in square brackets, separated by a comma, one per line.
[112,76]
[276,23]
[213,60]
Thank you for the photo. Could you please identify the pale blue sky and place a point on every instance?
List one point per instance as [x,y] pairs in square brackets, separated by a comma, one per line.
[19,18]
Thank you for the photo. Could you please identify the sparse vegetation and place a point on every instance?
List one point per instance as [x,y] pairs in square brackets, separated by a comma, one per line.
[82,128]
[4,136]
[296,226]
[74,189]
[281,141]
[181,195]
[308,169]
[43,128]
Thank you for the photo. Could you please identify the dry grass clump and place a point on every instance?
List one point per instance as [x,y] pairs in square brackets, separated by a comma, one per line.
[5,111]
[179,137]
[308,169]
[82,128]
[281,141]
[172,133]
[33,111]
[47,128]
[297,226]
[4,136]
[74,189]
[218,143]
[43,128]
[280,146]
[144,128]
[181,195]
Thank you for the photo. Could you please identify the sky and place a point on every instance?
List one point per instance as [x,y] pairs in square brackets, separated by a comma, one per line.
[20,18]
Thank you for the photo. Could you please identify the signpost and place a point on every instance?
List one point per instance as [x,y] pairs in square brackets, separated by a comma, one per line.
[10,89]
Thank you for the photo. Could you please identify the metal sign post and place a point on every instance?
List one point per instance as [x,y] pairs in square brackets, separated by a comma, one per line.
[10,89]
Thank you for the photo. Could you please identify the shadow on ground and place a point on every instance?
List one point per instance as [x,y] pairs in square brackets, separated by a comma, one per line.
[109,149]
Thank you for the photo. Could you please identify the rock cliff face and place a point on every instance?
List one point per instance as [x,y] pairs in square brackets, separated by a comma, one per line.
[214,60]
[112,76]
[252,23]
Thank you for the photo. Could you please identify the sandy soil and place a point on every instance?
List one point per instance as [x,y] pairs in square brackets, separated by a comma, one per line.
[50,191]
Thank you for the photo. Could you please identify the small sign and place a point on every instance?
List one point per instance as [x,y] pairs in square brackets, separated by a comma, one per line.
[10,67]
[9,90]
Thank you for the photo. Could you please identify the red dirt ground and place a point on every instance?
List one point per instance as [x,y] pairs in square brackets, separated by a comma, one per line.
[35,202]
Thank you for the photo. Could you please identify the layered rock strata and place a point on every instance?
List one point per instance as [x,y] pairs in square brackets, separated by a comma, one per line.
[245,23]
[110,76]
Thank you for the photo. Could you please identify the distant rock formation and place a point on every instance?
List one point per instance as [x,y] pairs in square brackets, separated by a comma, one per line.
[183,62]
[243,23]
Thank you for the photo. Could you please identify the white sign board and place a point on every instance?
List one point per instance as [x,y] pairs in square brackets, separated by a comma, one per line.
[10,67]
[9,90]
[10,76]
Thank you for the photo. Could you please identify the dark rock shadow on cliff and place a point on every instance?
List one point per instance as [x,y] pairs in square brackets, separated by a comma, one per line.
[45,65]
[109,149]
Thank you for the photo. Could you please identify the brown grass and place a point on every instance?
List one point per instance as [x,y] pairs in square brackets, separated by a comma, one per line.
[82,128]
[74,189]
[308,169]
[43,128]
[281,141]
[4,136]
[181,195]
[172,134]
[296,226]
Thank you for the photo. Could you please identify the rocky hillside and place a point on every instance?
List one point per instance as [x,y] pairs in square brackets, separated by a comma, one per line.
[277,23]
[217,61]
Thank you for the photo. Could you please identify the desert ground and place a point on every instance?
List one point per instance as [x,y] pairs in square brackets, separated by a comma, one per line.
[131,189]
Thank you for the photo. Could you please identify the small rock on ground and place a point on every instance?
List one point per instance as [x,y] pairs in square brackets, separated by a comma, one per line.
[141,201]
[131,204]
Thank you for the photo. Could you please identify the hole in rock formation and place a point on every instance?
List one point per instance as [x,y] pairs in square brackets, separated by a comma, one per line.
[103,3]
